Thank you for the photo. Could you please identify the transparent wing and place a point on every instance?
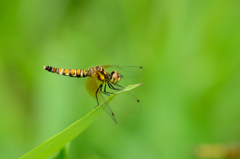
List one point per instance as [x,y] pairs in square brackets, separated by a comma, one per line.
[92,86]
[126,101]
[125,71]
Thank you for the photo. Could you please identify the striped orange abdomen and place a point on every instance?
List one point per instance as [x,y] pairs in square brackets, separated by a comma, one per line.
[67,72]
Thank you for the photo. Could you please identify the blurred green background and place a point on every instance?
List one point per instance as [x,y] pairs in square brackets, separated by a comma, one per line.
[190,51]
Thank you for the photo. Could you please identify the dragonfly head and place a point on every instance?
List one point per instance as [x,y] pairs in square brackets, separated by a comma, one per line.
[115,77]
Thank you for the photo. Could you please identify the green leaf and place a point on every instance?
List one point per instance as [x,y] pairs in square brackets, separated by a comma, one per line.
[63,153]
[57,142]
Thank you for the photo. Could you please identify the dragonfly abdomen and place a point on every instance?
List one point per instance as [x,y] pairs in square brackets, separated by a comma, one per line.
[67,72]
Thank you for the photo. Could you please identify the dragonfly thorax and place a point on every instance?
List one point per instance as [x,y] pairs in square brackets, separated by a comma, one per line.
[102,75]
[115,77]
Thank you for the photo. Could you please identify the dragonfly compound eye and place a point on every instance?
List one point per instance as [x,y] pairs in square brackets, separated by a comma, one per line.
[115,77]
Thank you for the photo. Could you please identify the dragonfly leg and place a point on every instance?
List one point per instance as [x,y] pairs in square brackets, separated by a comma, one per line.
[100,87]
[105,88]
[118,85]
[105,91]
[111,87]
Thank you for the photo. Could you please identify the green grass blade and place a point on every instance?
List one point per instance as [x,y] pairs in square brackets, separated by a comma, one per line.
[63,153]
[57,142]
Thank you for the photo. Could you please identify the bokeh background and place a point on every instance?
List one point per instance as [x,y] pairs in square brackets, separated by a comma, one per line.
[190,51]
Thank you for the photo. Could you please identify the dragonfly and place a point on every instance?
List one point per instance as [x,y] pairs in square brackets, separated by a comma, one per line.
[103,81]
